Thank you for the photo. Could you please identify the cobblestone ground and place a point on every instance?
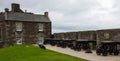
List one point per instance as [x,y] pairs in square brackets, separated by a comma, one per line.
[82,54]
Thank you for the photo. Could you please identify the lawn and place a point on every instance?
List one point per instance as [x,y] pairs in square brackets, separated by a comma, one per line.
[32,53]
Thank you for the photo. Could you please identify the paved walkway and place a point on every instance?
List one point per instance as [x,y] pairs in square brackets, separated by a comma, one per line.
[82,54]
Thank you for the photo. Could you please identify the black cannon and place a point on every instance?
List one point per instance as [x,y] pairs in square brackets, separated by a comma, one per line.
[47,40]
[118,45]
[107,47]
[83,44]
[59,42]
[66,43]
[52,41]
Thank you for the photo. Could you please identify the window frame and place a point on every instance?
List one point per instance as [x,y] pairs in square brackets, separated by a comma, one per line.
[40,27]
[19,26]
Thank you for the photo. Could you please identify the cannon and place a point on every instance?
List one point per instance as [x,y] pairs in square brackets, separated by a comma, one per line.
[52,41]
[48,41]
[83,44]
[59,42]
[107,47]
[118,45]
[66,43]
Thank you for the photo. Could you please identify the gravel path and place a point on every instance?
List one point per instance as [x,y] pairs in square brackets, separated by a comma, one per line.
[82,54]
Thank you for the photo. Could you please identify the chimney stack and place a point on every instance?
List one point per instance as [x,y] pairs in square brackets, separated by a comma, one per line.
[46,13]
[15,7]
[6,10]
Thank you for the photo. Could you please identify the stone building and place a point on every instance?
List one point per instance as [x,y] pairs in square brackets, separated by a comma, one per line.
[17,26]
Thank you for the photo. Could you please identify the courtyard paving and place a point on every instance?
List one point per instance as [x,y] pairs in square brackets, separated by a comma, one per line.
[82,54]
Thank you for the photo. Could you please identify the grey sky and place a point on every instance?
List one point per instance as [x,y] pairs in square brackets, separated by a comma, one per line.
[74,15]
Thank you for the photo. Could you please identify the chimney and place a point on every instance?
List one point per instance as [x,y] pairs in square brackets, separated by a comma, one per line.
[6,10]
[46,13]
[15,7]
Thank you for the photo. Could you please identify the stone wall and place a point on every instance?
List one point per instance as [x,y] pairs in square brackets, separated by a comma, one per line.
[10,32]
[110,34]
[88,35]
[0,35]
[59,35]
[71,35]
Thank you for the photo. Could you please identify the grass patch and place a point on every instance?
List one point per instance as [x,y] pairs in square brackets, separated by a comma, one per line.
[32,53]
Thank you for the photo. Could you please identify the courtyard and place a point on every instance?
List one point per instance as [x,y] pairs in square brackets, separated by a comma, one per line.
[81,54]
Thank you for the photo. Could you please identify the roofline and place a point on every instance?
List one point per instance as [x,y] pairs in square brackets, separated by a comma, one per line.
[26,21]
[108,29]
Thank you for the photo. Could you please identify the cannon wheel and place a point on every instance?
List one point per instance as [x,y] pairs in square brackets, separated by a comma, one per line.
[116,52]
[98,52]
[104,53]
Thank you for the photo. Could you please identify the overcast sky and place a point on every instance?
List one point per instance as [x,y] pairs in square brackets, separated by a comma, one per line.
[73,15]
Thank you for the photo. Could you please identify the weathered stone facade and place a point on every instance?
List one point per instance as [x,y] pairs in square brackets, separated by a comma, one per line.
[98,35]
[59,35]
[66,35]
[71,35]
[0,32]
[88,35]
[108,34]
[33,26]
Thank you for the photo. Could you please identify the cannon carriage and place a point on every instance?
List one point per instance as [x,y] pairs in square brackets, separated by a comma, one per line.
[59,42]
[107,47]
[66,43]
[83,44]
[52,41]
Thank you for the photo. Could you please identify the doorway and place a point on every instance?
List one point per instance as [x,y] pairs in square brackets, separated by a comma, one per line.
[19,40]
[41,40]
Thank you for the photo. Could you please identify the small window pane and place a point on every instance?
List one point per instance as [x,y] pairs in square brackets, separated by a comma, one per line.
[18,26]
[40,27]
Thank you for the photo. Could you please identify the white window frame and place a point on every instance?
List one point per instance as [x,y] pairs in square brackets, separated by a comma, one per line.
[19,26]
[41,27]
[18,40]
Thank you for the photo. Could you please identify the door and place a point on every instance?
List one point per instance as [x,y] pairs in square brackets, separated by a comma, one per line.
[41,40]
[19,40]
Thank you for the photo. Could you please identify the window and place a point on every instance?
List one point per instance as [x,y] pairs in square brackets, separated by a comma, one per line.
[40,27]
[106,35]
[18,26]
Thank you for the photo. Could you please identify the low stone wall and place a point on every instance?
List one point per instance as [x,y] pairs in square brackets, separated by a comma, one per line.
[110,34]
